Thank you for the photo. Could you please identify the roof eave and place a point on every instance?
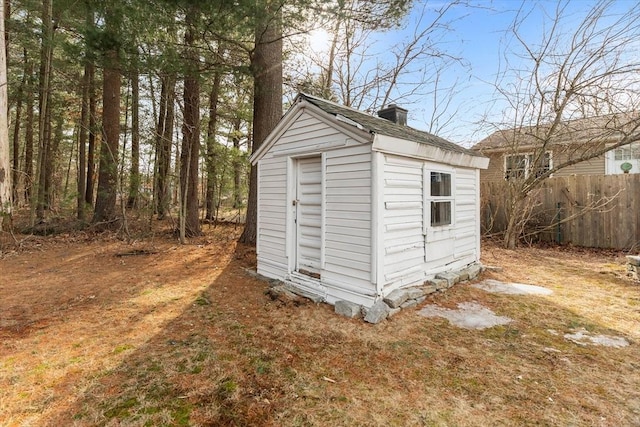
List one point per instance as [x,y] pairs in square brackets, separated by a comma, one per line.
[408,148]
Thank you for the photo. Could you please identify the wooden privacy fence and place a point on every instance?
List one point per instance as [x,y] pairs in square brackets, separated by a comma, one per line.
[584,210]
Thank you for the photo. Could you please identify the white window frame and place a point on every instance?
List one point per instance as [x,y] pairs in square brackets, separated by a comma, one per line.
[528,158]
[612,166]
[428,199]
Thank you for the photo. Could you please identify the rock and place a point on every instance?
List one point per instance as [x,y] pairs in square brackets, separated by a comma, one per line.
[438,284]
[394,311]
[451,278]
[493,268]
[282,294]
[397,297]
[474,271]
[413,293]
[349,309]
[463,275]
[409,303]
[429,289]
[377,313]
[633,260]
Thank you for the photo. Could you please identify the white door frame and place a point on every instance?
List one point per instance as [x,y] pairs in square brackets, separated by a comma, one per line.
[311,265]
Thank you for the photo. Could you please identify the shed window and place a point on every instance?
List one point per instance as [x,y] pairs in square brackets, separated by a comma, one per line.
[520,166]
[440,199]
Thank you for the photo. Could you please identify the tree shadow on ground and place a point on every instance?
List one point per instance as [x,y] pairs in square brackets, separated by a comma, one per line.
[231,356]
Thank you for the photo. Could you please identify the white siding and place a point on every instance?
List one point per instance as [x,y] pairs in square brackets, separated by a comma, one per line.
[466,204]
[346,269]
[347,250]
[402,221]
[307,134]
[406,260]
[346,212]
[272,194]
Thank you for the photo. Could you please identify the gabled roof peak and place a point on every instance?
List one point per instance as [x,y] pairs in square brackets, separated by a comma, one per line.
[377,125]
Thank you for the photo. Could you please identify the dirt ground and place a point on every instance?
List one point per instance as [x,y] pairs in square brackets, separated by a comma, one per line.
[97,330]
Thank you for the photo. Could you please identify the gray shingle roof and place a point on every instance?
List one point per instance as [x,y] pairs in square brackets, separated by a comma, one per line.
[381,126]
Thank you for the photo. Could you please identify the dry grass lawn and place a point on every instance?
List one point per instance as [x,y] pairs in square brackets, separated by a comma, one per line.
[98,331]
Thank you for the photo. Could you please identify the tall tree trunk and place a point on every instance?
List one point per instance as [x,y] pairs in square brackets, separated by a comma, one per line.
[134,176]
[91,149]
[28,135]
[46,56]
[52,157]
[82,144]
[16,133]
[6,30]
[105,209]
[5,174]
[166,118]
[190,134]
[266,66]
[211,146]
[237,164]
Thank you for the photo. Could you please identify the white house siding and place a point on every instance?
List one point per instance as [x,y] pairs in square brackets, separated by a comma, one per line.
[404,246]
[345,268]
[405,260]
[347,229]
[466,217]
[272,194]
[307,134]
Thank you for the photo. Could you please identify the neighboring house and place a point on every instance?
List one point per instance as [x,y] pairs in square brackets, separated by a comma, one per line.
[352,206]
[516,152]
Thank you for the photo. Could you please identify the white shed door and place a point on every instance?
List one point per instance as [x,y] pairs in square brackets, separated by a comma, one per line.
[308,215]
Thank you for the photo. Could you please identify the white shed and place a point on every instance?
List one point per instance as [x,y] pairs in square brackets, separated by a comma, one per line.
[352,207]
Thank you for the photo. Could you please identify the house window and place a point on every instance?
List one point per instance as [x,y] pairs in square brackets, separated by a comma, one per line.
[627,152]
[441,201]
[625,158]
[520,166]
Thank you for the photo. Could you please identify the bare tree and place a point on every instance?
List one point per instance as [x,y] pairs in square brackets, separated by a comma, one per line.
[356,73]
[575,93]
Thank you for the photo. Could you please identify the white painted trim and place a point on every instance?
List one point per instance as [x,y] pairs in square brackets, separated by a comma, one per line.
[323,207]
[258,198]
[608,162]
[427,168]
[478,213]
[300,107]
[290,226]
[284,123]
[377,226]
[407,148]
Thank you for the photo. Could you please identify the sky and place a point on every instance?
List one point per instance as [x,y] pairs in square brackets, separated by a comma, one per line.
[478,36]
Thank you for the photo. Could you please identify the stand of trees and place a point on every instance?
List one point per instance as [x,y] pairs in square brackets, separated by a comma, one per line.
[155,106]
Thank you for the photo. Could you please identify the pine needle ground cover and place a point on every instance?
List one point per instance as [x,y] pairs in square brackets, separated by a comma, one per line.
[98,331]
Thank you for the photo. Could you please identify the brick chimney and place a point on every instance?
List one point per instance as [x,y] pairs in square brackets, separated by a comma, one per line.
[394,114]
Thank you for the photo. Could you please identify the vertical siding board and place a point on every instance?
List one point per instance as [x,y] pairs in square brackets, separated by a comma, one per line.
[403,228]
[271,244]
[348,261]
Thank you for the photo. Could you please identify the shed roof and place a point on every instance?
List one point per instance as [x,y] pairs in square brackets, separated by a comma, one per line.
[382,126]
